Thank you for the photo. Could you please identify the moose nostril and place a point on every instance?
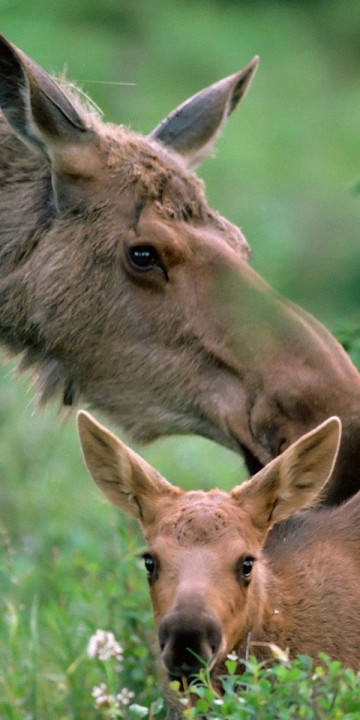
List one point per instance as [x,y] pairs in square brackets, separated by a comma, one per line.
[163,634]
[187,639]
[214,637]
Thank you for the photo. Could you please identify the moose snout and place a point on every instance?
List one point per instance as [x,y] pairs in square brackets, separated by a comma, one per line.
[188,637]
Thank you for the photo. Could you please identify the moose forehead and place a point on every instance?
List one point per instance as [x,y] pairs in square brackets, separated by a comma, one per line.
[159,177]
[130,160]
[199,518]
[136,160]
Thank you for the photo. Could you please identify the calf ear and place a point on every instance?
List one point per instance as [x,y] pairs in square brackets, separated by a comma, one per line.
[47,121]
[294,479]
[193,128]
[124,477]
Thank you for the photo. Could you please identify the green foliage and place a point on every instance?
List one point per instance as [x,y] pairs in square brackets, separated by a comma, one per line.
[302,688]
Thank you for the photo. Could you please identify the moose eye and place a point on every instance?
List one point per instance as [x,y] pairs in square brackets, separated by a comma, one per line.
[150,566]
[246,566]
[143,257]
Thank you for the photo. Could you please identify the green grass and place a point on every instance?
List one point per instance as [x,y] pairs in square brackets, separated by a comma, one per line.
[284,171]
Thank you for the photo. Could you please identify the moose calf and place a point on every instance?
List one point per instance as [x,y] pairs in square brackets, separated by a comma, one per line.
[231,569]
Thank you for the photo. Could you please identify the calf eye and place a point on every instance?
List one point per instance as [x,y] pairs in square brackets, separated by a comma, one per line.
[150,566]
[246,566]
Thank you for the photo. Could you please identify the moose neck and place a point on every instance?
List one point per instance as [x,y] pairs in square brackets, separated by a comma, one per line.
[25,217]
[30,237]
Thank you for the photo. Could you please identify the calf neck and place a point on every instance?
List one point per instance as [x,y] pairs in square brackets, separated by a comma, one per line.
[119,285]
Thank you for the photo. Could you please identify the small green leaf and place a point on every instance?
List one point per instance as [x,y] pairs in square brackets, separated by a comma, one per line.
[138,711]
[174,686]
[202,705]
[231,666]
[157,706]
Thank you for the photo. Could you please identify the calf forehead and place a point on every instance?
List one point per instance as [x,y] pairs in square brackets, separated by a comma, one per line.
[199,518]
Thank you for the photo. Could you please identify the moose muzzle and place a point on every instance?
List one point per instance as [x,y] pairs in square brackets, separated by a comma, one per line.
[189,637]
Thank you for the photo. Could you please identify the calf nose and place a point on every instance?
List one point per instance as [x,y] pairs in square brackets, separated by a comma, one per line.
[188,638]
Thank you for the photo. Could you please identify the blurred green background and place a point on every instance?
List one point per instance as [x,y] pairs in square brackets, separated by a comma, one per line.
[287,170]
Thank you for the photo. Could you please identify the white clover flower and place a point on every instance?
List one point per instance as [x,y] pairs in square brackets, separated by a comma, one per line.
[124,696]
[99,690]
[104,646]
[101,696]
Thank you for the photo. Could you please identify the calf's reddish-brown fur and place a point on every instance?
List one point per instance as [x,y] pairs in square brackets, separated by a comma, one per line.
[228,570]
[119,285]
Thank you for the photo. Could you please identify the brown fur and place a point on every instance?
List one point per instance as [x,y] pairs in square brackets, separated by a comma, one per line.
[303,591]
[198,343]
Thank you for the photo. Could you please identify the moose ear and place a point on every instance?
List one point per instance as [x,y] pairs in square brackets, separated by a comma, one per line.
[124,477]
[193,128]
[294,479]
[47,121]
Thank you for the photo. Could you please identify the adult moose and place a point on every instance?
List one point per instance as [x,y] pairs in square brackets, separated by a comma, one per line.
[219,580]
[120,286]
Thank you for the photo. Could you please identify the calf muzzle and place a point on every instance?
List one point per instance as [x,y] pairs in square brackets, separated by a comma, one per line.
[189,638]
